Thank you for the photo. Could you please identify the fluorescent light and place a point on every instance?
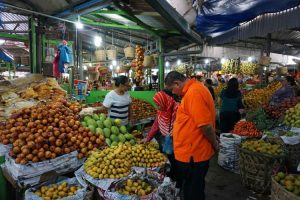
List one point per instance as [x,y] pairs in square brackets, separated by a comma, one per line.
[114,62]
[178,62]
[250,59]
[98,41]
[206,61]
[79,25]
[2,41]
[167,64]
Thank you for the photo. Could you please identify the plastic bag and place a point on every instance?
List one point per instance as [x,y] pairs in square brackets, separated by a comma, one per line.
[152,178]
[228,157]
[82,177]
[80,194]
[168,145]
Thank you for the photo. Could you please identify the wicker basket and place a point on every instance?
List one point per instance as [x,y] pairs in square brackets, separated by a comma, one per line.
[256,169]
[100,54]
[292,151]
[17,59]
[148,60]
[111,52]
[129,51]
[280,193]
[25,60]
[293,156]
[264,60]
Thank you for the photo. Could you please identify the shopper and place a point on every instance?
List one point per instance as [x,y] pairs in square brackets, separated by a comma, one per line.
[193,133]
[288,90]
[231,106]
[118,100]
[163,126]
[208,83]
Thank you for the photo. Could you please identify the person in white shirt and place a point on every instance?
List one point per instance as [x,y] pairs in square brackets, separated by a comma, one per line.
[118,100]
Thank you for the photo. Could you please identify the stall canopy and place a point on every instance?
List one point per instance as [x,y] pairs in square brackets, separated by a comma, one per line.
[5,57]
[215,17]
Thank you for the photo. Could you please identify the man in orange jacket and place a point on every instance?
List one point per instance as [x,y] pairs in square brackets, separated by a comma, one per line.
[194,137]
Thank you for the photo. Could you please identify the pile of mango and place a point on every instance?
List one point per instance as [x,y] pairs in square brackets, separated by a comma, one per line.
[258,97]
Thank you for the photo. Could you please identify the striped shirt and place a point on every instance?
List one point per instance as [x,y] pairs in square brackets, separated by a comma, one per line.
[118,106]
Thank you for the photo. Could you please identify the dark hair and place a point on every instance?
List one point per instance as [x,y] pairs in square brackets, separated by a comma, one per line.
[232,88]
[174,76]
[174,96]
[208,81]
[121,80]
[291,80]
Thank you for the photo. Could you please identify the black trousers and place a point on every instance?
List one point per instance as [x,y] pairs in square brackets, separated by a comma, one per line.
[192,175]
[228,120]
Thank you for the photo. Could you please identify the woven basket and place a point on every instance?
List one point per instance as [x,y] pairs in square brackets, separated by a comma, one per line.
[148,60]
[256,169]
[280,193]
[129,51]
[25,60]
[17,59]
[100,54]
[292,151]
[111,52]
[293,156]
[264,60]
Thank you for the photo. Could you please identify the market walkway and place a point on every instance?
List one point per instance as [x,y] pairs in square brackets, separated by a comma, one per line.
[224,185]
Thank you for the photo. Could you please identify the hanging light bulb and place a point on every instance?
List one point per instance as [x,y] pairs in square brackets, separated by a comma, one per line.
[250,59]
[2,41]
[167,64]
[223,60]
[114,62]
[98,41]
[206,61]
[111,67]
[178,62]
[78,24]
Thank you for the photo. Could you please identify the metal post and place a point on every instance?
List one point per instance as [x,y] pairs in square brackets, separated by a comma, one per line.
[268,48]
[161,64]
[32,40]
[43,47]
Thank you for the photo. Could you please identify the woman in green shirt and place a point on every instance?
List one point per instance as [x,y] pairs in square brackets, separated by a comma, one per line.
[231,106]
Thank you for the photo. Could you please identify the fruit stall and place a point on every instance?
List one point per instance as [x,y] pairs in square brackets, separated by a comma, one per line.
[264,146]
[53,152]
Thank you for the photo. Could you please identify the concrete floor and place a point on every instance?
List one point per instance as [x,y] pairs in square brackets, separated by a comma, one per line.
[224,185]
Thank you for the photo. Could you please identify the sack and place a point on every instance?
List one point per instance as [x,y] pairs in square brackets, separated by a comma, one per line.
[228,155]
[168,145]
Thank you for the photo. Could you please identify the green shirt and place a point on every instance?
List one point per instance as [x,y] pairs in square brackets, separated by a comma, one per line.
[231,104]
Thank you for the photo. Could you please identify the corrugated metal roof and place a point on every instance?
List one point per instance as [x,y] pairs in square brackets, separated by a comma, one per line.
[7,17]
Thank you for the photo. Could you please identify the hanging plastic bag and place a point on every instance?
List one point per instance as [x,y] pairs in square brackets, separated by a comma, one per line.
[168,145]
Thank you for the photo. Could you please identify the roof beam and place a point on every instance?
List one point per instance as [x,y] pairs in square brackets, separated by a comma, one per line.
[84,8]
[14,22]
[130,16]
[21,38]
[105,18]
[116,26]
[174,18]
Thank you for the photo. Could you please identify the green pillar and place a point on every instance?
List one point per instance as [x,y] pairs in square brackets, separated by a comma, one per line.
[32,40]
[161,64]
[43,47]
